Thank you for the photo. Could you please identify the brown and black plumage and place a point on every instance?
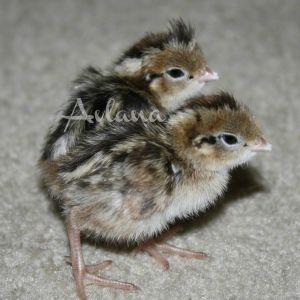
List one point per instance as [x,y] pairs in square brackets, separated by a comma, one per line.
[162,71]
[129,182]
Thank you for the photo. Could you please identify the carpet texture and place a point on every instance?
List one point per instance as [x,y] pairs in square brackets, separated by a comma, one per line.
[252,234]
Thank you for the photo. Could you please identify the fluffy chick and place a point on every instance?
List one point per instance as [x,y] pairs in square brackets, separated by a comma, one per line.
[171,64]
[129,183]
[162,70]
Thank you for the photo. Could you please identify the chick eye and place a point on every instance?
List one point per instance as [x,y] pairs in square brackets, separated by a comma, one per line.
[175,73]
[229,140]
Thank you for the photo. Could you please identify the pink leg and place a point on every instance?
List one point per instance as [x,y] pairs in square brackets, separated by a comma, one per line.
[84,274]
[157,249]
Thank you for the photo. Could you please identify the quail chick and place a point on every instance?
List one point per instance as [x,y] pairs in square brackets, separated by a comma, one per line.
[129,183]
[161,70]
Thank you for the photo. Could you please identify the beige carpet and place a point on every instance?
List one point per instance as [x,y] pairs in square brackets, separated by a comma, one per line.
[252,233]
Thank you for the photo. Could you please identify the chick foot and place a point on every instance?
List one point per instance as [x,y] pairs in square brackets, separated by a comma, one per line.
[91,268]
[159,250]
[84,274]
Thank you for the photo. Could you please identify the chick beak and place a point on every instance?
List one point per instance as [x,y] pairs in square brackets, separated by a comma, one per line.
[207,75]
[261,145]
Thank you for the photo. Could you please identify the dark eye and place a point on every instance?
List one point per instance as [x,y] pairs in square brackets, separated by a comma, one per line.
[175,73]
[229,139]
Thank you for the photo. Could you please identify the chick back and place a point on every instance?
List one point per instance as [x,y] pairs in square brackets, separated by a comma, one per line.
[93,90]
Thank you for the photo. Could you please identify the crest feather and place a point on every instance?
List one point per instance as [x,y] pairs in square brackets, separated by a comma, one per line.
[178,33]
[181,32]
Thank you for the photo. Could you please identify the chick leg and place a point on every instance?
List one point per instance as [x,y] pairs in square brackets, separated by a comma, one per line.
[84,274]
[157,249]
